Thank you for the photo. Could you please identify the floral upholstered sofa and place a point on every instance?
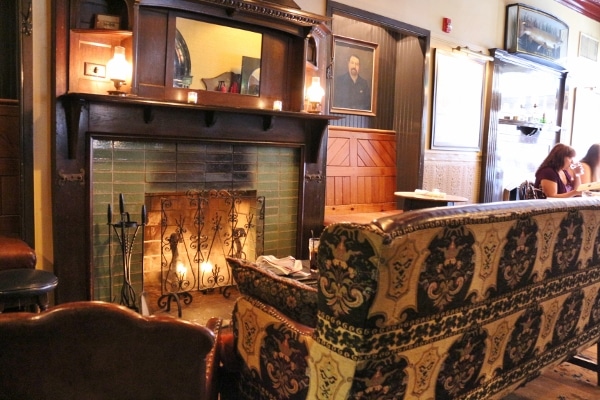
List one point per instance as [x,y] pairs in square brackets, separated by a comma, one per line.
[464,302]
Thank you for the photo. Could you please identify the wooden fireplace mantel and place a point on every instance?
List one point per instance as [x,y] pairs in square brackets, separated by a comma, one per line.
[294,51]
[83,117]
[209,114]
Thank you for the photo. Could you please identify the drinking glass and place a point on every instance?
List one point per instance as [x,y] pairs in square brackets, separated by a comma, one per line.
[313,249]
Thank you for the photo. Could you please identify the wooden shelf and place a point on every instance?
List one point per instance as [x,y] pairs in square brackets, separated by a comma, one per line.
[110,32]
[538,125]
[74,102]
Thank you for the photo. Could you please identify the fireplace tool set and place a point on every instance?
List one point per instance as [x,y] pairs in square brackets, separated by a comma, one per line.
[125,231]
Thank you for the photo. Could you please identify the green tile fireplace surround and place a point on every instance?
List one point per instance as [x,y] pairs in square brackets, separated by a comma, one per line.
[136,168]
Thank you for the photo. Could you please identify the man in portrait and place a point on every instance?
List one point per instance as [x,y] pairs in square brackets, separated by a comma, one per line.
[352,90]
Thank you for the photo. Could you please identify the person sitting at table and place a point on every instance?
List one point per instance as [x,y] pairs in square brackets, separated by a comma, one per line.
[553,177]
[591,165]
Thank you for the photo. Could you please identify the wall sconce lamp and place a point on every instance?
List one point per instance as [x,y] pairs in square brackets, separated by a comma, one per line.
[118,70]
[472,53]
[315,94]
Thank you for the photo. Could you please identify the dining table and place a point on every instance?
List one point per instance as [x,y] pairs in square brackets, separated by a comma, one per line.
[423,199]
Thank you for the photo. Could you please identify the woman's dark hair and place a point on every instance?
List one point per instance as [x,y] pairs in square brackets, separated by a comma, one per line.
[556,158]
[592,156]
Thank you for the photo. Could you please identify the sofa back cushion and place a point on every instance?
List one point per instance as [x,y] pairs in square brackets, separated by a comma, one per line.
[500,290]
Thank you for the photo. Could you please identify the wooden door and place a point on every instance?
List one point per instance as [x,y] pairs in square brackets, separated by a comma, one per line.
[16,121]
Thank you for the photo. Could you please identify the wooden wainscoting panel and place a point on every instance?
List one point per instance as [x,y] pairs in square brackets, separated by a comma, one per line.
[11,213]
[361,170]
[455,173]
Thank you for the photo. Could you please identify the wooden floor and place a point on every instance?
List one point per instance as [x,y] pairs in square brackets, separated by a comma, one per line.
[564,382]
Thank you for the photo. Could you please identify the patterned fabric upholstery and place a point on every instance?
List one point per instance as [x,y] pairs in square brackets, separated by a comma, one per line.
[465,302]
[294,299]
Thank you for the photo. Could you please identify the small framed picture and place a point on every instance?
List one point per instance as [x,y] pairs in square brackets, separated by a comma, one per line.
[354,76]
[111,22]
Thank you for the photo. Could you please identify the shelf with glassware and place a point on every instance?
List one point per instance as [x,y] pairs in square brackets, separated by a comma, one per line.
[529,127]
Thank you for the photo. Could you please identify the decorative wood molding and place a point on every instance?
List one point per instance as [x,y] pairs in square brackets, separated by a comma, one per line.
[271,9]
[589,8]
[74,103]
[282,11]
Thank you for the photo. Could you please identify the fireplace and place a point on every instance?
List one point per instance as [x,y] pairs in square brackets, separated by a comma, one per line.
[189,235]
[173,180]
[136,146]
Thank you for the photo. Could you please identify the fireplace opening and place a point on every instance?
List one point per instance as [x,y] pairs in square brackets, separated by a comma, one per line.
[139,169]
[189,235]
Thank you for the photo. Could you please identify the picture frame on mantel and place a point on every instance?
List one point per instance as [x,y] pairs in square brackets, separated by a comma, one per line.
[536,33]
[354,76]
[458,96]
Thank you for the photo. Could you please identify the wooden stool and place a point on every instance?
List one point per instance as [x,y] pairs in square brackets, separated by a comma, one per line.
[26,287]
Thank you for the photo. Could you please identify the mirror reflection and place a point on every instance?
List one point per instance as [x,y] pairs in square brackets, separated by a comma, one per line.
[216,58]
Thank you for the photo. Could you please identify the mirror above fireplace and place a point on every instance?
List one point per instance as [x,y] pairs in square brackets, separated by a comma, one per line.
[216,57]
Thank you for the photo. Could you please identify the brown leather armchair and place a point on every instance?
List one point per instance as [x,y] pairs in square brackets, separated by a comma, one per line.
[97,350]
[15,253]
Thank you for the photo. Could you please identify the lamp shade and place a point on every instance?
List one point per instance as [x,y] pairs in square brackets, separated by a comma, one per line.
[117,67]
[315,92]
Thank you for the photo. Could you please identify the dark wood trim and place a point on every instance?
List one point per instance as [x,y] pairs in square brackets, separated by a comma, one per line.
[589,8]
[26,101]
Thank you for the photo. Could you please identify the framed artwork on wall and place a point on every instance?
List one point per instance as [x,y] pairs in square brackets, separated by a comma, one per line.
[534,32]
[457,101]
[354,76]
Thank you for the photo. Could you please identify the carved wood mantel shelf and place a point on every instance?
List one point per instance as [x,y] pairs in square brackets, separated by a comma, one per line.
[73,104]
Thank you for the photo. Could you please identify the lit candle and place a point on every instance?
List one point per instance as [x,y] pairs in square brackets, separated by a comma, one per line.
[180,270]
[277,105]
[192,97]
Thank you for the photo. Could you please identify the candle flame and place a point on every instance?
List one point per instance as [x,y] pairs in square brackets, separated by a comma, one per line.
[206,266]
[181,269]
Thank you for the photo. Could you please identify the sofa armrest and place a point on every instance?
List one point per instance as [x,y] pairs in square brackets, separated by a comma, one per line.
[294,299]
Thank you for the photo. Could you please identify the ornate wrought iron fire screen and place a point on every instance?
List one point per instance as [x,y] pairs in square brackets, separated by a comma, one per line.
[199,229]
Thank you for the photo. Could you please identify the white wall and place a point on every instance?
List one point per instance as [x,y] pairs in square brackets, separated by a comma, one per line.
[478,24]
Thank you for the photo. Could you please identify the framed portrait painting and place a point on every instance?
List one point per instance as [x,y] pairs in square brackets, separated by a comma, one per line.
[354,76]
[457,102]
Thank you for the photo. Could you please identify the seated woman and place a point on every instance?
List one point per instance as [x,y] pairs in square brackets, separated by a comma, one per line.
[591,165]
[553,176]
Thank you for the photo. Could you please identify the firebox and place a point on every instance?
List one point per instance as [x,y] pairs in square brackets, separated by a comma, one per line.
[195,231]
[173,180]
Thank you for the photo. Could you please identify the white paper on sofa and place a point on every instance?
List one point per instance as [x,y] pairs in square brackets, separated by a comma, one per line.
[281,266]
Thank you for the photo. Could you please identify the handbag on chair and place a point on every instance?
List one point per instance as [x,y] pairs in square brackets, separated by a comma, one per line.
[527,191]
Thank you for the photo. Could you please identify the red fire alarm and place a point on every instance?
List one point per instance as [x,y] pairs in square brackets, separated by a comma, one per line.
[447,25]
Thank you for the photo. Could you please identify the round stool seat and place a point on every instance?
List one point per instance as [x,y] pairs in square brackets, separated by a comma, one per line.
[21,287]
